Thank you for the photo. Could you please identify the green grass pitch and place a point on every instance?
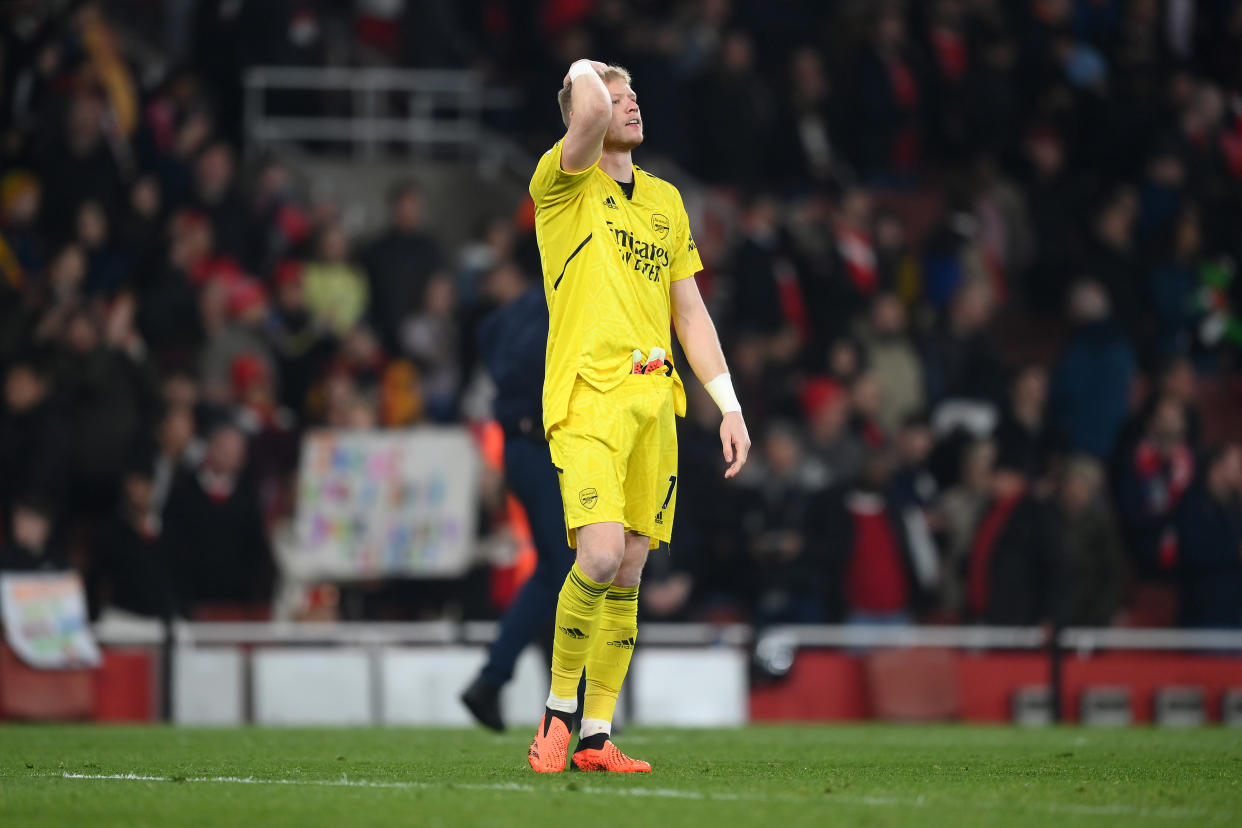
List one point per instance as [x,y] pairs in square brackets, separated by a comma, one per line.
[771,776]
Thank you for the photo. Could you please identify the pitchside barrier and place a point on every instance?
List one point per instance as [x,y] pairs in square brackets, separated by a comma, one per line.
[374,673]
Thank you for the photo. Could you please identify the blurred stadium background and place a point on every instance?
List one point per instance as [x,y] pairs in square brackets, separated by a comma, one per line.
[973,263]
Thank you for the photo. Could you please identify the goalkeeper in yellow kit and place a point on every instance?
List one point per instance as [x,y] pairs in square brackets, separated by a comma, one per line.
[618,258]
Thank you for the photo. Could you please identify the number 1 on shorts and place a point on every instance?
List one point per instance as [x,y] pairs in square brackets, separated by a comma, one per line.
[672,484]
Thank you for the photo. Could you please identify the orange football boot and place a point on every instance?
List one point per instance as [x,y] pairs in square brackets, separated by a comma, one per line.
[608,758]
[550,746]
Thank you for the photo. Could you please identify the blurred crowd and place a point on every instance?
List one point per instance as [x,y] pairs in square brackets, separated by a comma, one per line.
[973,263]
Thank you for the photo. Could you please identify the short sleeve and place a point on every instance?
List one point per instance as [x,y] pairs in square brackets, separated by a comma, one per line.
[551,184]
[685,254]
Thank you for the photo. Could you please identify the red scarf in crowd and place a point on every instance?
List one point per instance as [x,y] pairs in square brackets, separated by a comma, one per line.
[979,577]
[876,580]
[1178,470]
[858,253]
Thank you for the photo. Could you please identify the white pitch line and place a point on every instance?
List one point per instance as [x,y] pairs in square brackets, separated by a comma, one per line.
[659,793]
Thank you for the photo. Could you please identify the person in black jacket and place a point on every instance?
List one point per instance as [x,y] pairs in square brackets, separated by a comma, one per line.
[399,264]
[34,438]
[128,568]
[1209,526]
[784,564]
[1016,571]
[213,534]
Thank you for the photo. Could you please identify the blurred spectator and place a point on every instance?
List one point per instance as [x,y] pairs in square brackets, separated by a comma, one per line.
[845,359]
[1017,573]
[234,314]
[1175,285]
[1091,385]
[31,541]
[22,256]
[109,390]
[734,115]
[958,512]
[169,315]
[1092,545]
[400,263]
[215,196]
[477,259]
[34,439]
[1174,380]
[336,290]
[1160,195]
[871,576]
[888,98]
[961,360]
[895,258]
[107,266]
[1053,196]
[177,449]
[77,167]
[401,395]
[866,403]
[991,97]
[857,267]
[1151,481]
[301,343]
[269,428]
[787,574]
[139,230]
[1111,260]
[1024,431]
[277,224]
[912,497]
[893,360]
[128,569]
[833,442]
[759,270]
[213,533]
[432,339]
[949,63]
[1005,239]
[1209,526]
[807,123]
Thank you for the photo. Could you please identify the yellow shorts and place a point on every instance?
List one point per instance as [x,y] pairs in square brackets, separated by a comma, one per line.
[616,452]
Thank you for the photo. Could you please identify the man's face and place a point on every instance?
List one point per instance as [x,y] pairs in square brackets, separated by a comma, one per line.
[227,451]
[625,130]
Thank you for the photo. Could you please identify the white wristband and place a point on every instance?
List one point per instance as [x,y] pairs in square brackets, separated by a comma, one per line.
[721,389]
[579,68]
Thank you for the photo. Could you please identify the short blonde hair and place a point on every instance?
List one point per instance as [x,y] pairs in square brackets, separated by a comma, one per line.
[565,96]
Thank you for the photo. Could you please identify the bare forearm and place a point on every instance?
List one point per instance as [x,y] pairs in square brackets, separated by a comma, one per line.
[591,99]
[590,109]
[698,338]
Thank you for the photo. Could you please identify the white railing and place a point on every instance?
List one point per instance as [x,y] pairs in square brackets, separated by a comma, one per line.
[420,111]
[695,634]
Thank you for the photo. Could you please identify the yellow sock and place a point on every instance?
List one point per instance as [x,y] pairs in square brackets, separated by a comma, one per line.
[611,651]
[577,618]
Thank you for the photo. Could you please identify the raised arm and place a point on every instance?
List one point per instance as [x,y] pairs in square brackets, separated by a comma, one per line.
[589,113]
[698,339]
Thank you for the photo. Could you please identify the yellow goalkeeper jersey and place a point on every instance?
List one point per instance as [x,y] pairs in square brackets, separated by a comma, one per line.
[608,262]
